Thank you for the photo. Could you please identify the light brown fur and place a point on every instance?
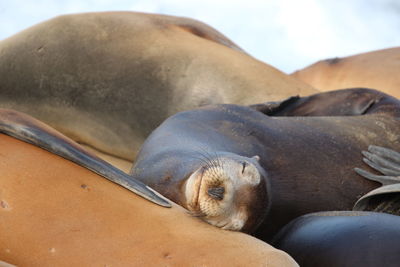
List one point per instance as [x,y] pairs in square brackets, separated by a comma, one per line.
[108,79]
[56,213]
[377,69]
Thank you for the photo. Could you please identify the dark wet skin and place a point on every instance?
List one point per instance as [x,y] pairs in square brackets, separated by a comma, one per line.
[308,148]
[346,238]
[352,238]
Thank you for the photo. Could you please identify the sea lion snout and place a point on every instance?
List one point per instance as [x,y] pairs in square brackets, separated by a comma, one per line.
[213,192]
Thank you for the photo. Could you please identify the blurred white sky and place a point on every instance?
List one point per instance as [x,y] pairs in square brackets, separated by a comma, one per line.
[288,34]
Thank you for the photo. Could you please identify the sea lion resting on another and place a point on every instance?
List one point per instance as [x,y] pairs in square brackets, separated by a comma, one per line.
[56,213]
[240,169]
[108,79]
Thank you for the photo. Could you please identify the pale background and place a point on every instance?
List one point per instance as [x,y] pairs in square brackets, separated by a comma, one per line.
[288,34]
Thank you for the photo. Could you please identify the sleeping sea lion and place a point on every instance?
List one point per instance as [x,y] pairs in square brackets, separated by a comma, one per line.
[256,168]
[377,69]
[54,212]
[346,238]
[108,79]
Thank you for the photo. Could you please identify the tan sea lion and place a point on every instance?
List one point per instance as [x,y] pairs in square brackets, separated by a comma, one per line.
[377,69]
[256,168]
[54,212]
[108,79]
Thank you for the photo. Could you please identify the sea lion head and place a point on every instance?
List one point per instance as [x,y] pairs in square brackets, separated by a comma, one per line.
[228,191]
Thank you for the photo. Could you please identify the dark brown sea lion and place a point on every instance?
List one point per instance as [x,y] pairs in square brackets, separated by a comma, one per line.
[304,152]
[56,213]
[108,79]
[347,238]
[377,69]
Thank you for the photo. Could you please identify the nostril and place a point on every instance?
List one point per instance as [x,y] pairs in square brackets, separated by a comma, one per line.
[216,192]
[244,165]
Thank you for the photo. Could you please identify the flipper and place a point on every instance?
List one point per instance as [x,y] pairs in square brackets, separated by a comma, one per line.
[275,107]
[5,264]
[30,130]
[383,160]
[387,197]
[346,102]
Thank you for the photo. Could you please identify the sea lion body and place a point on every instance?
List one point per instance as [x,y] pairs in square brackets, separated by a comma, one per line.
[56,213]
[377,69]
[108,79]
[346,238]
[308,149]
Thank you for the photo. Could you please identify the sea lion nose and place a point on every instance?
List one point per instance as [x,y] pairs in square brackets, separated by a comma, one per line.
[244,165]
[216,193]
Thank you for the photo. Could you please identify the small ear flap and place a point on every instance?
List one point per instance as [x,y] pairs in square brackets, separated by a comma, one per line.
[256,157]
[271,108]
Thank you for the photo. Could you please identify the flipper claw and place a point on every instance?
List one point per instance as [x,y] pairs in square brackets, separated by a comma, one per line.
[385,153]
[383,179]
[379,167]
[385,198]
[384,160]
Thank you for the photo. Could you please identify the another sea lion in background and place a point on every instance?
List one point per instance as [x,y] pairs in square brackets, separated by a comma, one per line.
[347,238]
[108,79]
[56,213]
[237,167]
[377,69]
